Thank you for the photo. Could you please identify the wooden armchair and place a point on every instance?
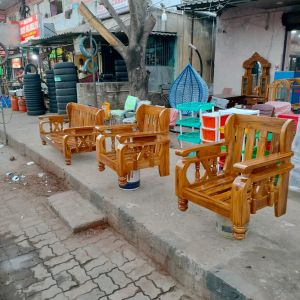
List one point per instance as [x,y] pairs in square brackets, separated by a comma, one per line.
[81,134]
[141,145]
[245,184]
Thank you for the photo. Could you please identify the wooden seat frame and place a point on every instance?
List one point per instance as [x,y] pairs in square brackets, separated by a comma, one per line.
[141,145]
[244,185]
[81,134]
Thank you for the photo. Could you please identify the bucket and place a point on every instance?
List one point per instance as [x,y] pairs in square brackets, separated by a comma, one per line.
[14,103]
[133,181]
[224,227]
[22,104]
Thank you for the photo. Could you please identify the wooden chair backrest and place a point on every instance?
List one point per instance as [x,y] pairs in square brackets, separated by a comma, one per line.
[153,118]
[242,141]
[83,115]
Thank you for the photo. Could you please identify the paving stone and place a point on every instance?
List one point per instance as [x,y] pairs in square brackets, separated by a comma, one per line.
[177,294]
[65,281]
[163,282]
[93,295]
[82,256]
[58,248]
[139,296]
[47,294]
[95,263]
[64,266]
[128,253]
[40,272]
[79,274]
[78,213]
[93,251]
[124,293]
[58,260]
[81,290]
[39,286]
[148,287]
[60,296]
[139,271]
[43,228]
[46,252]
[117,257]
[42,237]
[106,284]
[119,278]
[96,271]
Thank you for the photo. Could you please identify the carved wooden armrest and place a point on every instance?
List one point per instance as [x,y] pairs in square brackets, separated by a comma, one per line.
[251,165]
[139,136]
[55,123]
[110,130]
[79,130]
[202,150]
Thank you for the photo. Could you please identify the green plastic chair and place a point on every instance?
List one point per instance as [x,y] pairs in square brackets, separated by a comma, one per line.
[128,111]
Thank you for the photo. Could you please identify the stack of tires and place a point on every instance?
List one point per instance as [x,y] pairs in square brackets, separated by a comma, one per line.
[33,93]
[65,77]
[121,70]
[51,91]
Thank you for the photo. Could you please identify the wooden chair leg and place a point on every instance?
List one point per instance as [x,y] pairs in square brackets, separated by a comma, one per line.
[164,166]
[182,204]
[68,161]
[43,142]
[122,180]
[283,186]
[101,166]
[239,232]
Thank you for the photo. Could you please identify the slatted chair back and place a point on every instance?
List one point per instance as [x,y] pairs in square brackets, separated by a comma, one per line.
[248,137]
[83,115]
[153,119]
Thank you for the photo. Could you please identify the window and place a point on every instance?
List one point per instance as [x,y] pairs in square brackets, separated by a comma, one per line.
[56,7]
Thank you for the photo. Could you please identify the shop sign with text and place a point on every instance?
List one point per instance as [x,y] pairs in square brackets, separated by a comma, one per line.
[29,28]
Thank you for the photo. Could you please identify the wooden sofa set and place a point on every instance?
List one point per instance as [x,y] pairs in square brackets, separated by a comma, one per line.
[256,151]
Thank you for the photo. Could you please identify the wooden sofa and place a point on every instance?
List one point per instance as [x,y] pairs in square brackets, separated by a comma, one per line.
[246,184]
[81,134]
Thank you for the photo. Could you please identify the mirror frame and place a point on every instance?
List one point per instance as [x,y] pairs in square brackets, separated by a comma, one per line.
[247,77]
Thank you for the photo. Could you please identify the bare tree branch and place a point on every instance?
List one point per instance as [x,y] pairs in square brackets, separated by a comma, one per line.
[115,16]
[104,32]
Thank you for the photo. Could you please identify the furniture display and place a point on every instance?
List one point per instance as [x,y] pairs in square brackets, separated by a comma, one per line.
[245,185]
[192,121]
[81,134]
[129,147]
[256,77]
[130,105]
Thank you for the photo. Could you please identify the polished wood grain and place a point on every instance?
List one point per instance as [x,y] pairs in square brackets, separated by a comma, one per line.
[255,173]
[81,134]
[125,148]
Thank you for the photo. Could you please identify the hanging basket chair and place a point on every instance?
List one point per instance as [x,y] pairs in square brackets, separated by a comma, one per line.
[188,87]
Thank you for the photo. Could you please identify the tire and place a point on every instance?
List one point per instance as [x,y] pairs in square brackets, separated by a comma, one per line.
[49,72]
[85,52]
[87,67]
[48,78]
[121,68]
[28,67]
[32,85]
[66,92]
[120,62]
[63,65]
[36,112]
[65,85]
[65,71]
[66,99]
[66,78]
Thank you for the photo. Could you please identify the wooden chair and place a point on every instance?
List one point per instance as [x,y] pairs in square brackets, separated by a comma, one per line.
[243,186]
[141,145]
[81,134]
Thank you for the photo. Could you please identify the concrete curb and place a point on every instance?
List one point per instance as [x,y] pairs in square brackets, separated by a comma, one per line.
[162,248]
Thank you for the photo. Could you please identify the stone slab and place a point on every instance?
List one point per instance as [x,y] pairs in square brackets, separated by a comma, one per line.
[78,213]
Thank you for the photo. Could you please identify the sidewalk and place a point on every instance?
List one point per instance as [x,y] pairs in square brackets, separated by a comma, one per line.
[264,266]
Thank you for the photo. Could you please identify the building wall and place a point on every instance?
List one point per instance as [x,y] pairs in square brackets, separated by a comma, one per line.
[240,33]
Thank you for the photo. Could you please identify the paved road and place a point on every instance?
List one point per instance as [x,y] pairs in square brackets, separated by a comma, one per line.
[41,259]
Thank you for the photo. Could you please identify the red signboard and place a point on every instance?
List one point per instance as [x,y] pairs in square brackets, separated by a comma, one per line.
[29,28]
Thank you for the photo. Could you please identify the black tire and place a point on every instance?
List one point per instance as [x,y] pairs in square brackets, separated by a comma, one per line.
[121,74]
[62,106]
[28,67]
[65,71]
[48,78]
[66,99]
[66,78]
[31,76]
[119,62]
[64,65]
[66,92]
[49,72]
[32,85]
[36,112]
[33,108]
[65,85]
[121,69]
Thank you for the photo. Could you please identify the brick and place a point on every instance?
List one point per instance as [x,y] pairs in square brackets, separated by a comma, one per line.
[58,260]
[45,252]
[163,282]
[58,248]
[65,281]
[106,284]
[79,274]
[82,256]
[81,290]
[124,293]
[119,277]
[40,272]
[148,287]
[64,266]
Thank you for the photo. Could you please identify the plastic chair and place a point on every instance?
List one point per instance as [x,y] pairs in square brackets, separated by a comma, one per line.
[128,111]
